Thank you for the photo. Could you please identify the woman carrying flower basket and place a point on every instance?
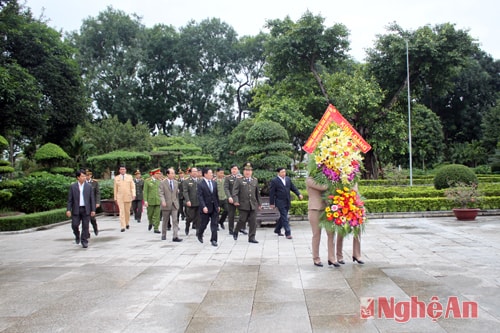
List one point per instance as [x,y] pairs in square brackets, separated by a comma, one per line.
[316,205]
[336,163]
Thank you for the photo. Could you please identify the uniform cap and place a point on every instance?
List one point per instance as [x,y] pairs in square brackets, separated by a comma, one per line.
[247,166]
[155,171]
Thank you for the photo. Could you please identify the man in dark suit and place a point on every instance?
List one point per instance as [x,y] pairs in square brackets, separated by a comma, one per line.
[80,207]
[246,196]
[97,197]
[208,199]
[279,196]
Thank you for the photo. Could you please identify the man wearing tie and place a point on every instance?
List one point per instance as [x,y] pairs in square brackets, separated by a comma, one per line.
[208,204]
[228,189]
[279,196]
[169,196]
[246,196]
[124,192]
[97,197]
[190,193]
[80,207]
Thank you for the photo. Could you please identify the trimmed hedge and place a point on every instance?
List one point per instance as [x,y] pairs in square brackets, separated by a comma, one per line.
[393,205]
[21,222]
[370,192]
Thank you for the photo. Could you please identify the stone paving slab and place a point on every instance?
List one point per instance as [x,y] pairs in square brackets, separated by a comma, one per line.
[134,282]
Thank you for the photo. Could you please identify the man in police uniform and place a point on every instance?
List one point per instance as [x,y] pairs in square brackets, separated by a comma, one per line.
[190,193]
[137,202]
[246,197]
[229,182]
[97,197]
[152,199]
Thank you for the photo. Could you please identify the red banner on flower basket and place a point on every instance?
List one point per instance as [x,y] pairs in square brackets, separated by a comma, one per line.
[333,115]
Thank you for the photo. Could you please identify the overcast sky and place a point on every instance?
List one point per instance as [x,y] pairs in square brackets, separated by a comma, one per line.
[364,19]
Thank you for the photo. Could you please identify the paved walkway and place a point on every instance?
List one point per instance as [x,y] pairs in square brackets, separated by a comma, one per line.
[134,282]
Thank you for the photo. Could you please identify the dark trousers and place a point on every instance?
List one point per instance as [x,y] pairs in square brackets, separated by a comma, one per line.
[231,212]
[192,216]
[137,208]
[181,212]
[205,218]
[283,222]
[93,221]
[249,216]
[223,204]
[76,218]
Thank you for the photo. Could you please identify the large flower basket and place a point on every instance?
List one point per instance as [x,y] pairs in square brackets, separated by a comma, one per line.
[336,161]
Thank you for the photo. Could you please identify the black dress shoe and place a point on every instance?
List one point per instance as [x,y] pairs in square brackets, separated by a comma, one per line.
[341,262]
[163,237]
[77,240]
[200,239]
[243,232]
[186,231]
[361,262]
[235,235]
[230,232]
[214,243]
[128,227]
[85,245]
[150,226]
[279,234]
[333,263]
[222,226]
[157,232]
[319,264]
[176,239]
[96,231]
[253,241]
[123,230]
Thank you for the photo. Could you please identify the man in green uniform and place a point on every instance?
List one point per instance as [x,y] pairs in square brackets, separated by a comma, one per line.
[190,193]
[152,199]
[246,196]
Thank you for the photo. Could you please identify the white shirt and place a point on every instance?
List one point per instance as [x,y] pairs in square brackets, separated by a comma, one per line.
[82,201]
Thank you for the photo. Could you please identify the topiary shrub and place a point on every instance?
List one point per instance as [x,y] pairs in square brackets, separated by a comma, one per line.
[451,175]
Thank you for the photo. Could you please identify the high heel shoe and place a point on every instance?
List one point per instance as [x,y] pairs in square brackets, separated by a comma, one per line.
[333,263]
[319,264]
[342,262]
[354,259]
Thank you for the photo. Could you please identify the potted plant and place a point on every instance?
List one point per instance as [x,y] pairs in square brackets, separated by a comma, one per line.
[465,197]
[108,204]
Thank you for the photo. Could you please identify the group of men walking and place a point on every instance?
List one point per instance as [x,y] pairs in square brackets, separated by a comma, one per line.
[207,199]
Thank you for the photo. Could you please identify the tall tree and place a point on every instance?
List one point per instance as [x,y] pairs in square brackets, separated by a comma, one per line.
[42,92]
[297,53]
[248,70]
[109,52]
[160,76]
[209,51]
[304,46]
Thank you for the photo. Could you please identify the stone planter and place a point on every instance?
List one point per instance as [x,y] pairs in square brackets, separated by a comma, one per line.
[110,207]
[466,214]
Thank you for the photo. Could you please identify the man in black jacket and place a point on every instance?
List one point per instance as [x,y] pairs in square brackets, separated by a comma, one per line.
[80,207]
